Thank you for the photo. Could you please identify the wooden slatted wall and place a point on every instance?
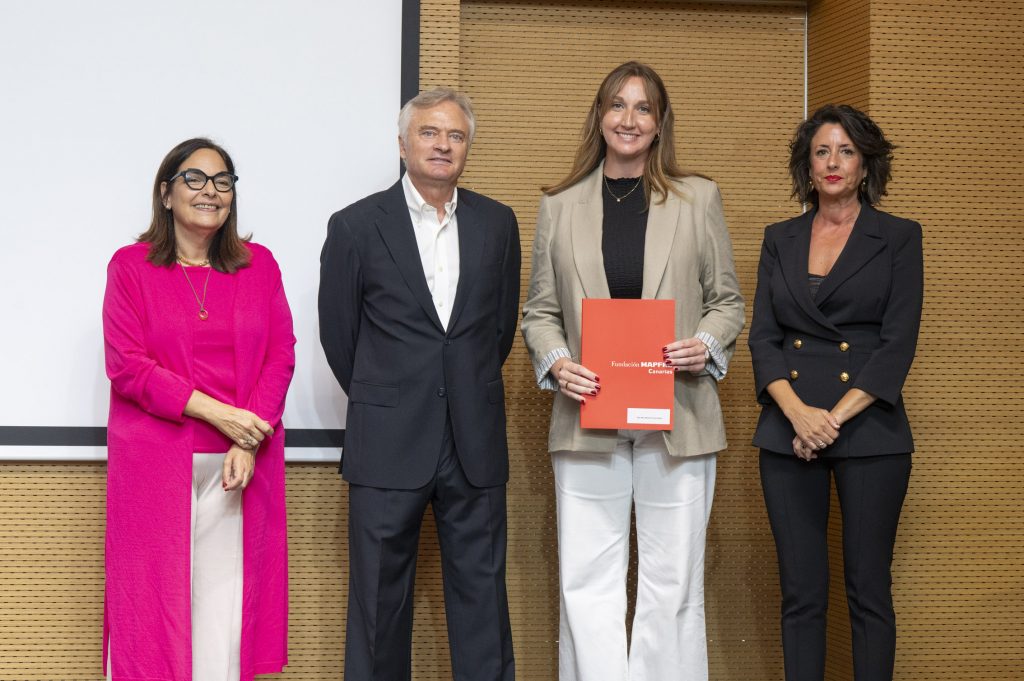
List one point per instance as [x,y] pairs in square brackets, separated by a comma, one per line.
[944,80]
[51,571]
[838,70]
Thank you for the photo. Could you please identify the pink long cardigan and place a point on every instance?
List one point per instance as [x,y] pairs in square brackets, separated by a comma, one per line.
[148,314]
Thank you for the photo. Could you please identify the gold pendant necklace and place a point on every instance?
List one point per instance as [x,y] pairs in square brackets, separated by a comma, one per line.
[618,199]
[203,314]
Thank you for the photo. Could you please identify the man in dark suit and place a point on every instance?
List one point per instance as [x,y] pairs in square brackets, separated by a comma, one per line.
[419,296]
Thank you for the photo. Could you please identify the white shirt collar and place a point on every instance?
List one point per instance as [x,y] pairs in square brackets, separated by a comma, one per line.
[415,201]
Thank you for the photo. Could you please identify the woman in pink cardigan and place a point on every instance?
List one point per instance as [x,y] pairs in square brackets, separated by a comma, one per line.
[199,352]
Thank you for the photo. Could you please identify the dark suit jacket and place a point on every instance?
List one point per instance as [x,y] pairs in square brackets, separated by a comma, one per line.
[860,331]
[402,372]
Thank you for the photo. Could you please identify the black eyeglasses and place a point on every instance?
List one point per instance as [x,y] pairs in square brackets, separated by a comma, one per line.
[197,179]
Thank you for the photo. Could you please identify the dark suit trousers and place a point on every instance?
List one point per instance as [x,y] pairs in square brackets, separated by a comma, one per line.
[384,531]
[871,492]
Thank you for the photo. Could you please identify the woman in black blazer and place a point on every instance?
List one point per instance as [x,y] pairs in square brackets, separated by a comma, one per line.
[836,317]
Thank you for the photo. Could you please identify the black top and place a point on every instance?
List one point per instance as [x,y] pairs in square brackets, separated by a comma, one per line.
[624,230]
[814,282]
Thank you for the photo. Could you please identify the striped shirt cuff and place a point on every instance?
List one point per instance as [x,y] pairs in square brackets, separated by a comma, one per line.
[546,381]
[718,365]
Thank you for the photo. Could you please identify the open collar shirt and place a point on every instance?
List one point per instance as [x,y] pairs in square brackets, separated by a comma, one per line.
[438,244]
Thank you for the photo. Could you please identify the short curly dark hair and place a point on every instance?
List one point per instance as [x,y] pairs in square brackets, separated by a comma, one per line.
[865,134]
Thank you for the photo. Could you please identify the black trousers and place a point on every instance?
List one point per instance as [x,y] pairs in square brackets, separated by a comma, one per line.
[871,492]
[384,531]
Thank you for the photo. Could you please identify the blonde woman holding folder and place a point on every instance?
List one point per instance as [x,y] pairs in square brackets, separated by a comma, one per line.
[627,222]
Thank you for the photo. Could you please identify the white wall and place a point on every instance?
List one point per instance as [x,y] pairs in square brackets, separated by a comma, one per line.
[303,94]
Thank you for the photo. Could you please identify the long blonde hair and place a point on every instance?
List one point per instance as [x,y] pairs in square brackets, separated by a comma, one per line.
[661,166]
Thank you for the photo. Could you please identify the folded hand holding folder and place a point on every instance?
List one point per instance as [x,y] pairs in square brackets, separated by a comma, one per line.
[622,343]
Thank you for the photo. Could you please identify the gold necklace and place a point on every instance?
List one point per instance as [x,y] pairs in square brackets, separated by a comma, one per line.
[203,314]
[185,261]
[618,199]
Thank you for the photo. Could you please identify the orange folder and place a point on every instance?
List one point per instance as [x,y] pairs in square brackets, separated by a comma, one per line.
[621,343]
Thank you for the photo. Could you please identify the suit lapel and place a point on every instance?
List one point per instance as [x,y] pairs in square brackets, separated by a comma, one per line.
[586,226]
[794,247]
[395,227]
[863,244]
[471,246]
[662,219]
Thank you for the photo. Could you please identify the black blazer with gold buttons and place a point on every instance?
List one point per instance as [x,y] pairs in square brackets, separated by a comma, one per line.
[859,331]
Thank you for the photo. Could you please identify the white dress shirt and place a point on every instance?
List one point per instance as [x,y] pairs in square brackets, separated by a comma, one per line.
[438,243]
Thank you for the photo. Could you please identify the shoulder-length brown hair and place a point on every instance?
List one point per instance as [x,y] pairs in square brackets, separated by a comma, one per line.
[227,250]
[661,166]
[865,134]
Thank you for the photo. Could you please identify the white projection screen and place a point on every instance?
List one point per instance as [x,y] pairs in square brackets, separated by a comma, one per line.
[303,94]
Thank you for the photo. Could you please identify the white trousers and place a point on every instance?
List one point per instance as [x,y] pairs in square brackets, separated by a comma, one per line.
[216,565]
[595,493]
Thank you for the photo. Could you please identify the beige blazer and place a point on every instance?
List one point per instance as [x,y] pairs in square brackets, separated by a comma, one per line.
[687,258]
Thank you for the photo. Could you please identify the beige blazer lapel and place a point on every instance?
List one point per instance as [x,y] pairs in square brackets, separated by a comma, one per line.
[586,226]
[661,232]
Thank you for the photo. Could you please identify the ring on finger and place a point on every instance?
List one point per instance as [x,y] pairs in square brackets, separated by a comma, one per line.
[821,445]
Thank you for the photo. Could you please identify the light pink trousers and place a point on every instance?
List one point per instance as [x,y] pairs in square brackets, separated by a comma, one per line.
[216,574]
[595,493]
